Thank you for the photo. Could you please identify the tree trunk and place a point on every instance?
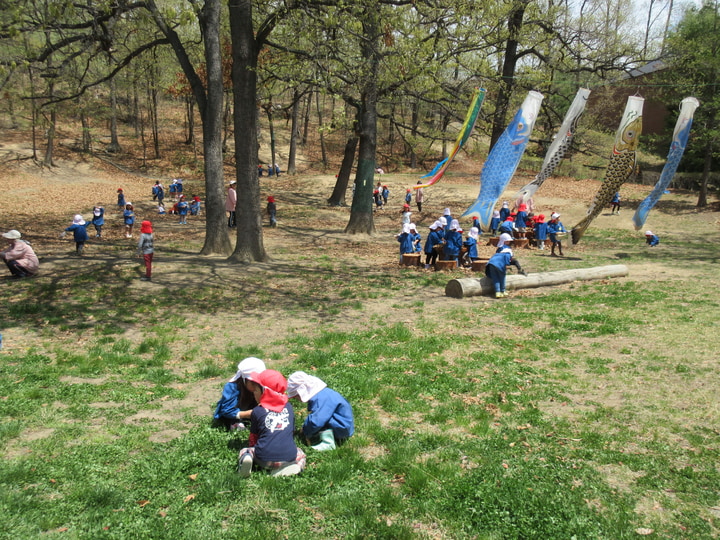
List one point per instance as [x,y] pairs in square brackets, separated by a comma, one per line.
[338,195]
[86,144]
[136,108]
[502,102]
[415,123]
[464,287]
[216,235]
[50,139]
[306,118]
[33,111]
[153,113]
[294,132]
[50,147]
[245,51]
[323,150]
[190,112]
[114,146]
[707,168]
[361,213]
[271,130]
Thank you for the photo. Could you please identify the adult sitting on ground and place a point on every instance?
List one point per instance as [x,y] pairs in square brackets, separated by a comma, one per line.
[19,256]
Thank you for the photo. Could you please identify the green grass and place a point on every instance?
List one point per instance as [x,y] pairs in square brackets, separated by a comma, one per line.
[578,412]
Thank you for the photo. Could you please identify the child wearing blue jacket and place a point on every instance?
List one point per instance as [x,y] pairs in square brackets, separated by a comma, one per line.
[237,402]
[453,242]
[495,222]
[434,238]
[471,243]
[554,228]
[406,241]
[540,231]
[182,207]
[98,220]
[129,218]
[496,269]
[121,199]
[651,239]
[521,219]
[330,420]
[504,211]
[80,235]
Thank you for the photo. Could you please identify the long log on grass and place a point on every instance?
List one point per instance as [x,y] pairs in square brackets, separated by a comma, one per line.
[460,288]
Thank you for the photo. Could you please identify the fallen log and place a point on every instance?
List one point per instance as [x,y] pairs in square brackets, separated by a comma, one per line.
[460,288]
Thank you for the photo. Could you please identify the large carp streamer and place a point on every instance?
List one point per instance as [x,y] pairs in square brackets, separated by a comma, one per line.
[675,154]
[462,138]
[558,148]
[504,158]
[621,166]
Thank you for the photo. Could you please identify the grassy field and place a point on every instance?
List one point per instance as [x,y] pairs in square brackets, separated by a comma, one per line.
[586,410]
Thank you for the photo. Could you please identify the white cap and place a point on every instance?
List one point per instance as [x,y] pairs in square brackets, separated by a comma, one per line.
[248,366]
[304,386]
[12,235]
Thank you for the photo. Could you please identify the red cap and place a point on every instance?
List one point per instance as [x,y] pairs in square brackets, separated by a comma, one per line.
[274,386]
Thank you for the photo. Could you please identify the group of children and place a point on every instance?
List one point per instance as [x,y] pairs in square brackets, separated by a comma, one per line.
[381,193]
[272,170]
[262,397]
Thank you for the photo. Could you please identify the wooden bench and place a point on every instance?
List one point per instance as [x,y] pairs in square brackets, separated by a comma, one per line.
[410,259]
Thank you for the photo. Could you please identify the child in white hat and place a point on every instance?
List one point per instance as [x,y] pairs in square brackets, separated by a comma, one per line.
[80,235]
[330,420]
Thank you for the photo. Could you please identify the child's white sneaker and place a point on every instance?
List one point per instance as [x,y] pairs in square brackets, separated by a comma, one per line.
[245,465]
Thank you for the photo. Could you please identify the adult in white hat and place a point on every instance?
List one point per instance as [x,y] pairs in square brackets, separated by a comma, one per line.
[330,420]
[19,256]
[237,402]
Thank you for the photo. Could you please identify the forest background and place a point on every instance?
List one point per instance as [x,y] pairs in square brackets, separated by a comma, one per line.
[571,411]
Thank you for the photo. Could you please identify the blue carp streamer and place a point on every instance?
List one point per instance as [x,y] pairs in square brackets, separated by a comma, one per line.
[504,158]
[675,154]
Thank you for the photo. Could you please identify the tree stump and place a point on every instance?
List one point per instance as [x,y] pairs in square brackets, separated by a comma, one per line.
[410,259]
[445,265]
[478,265]
[460,288]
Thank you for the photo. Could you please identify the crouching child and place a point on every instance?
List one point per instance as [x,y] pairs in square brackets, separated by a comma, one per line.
[330,421]
[272,426]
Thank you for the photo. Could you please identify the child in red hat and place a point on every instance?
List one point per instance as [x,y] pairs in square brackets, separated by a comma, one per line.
[145,248]
[272,427]
[272,211]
